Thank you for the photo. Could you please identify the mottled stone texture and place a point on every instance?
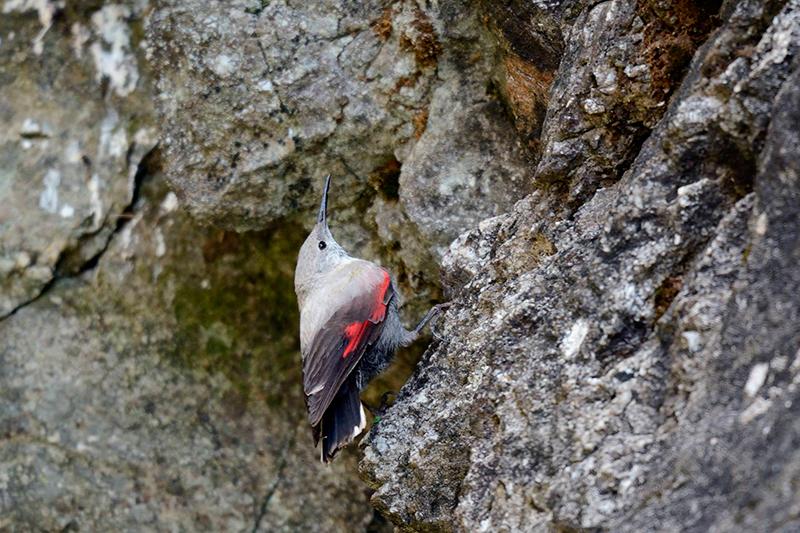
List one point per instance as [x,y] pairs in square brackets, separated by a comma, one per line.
[610,191]
[622,352]
[73,129]
[149,377]
[142,396]
[260,100]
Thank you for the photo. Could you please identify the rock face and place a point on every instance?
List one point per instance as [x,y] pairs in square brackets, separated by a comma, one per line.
[629,362]
[142,401]
[67,161]
[610,191]
[260,100]
[148,367]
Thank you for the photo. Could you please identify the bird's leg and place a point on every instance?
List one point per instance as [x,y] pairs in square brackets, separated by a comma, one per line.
[433,313]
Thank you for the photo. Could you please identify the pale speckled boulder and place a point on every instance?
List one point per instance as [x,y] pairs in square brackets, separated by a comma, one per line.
[260,100]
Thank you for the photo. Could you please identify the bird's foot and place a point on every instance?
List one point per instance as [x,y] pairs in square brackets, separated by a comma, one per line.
[387,399]
[431,315]
[438,310]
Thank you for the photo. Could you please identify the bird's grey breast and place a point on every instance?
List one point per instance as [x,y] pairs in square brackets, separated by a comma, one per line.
[333,291]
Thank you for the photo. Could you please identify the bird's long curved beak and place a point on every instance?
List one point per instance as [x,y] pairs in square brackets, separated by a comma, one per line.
[323,208]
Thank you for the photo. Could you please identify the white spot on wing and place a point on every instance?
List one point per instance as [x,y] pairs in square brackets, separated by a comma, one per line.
[362,423]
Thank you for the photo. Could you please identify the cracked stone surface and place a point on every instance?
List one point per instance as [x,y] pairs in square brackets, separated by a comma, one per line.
[630,56]
[259,101]
[144,402]
[634,365]
[144,382]
[67,162]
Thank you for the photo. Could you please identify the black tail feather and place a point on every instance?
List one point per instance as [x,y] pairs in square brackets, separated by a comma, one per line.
[337,427]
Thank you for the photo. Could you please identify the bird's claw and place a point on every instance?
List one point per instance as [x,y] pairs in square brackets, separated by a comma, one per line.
[386,401]
[438,310]
[443,306]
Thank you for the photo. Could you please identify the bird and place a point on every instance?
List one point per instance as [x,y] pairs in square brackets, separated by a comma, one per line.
[350,329]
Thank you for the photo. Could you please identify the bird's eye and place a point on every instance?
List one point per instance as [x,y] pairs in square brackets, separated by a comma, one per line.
[322,245]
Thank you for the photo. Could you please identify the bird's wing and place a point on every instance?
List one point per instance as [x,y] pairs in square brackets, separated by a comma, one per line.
[356,323]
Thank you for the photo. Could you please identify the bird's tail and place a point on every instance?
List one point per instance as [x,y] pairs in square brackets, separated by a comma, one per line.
[342,422]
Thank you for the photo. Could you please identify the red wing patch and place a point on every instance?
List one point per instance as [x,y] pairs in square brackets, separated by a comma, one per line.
[354,332]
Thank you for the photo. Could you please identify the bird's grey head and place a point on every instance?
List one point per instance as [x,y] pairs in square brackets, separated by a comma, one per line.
[319,254]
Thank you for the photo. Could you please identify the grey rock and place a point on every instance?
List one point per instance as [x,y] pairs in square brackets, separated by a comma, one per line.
[76,121]
[610,190]
[260,100]
[144,382]
[624,60]
[443,194]
[144,401]
[469,163]
[530,39]
[628,367]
